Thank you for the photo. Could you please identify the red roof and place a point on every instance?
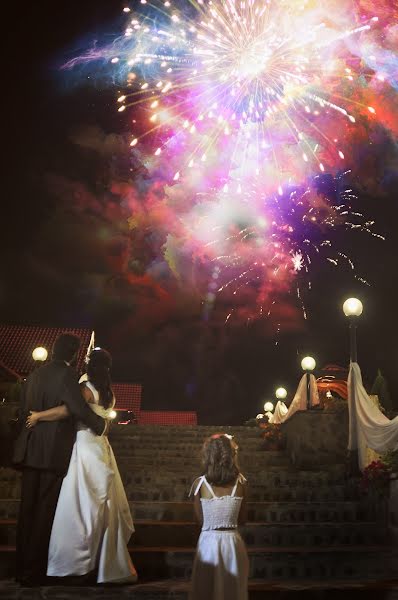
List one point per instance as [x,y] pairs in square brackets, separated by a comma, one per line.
[7,371]
[330,368]
[128,396]
[167,417]
[17,343]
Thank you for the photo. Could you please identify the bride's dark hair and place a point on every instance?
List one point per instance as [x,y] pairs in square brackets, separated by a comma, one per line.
[98,371]
[219,460]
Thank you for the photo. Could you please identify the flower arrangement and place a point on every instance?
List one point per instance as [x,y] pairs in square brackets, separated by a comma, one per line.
[391,460]
[376,478]
[272,437]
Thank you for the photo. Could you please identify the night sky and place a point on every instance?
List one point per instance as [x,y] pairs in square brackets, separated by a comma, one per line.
[68,259]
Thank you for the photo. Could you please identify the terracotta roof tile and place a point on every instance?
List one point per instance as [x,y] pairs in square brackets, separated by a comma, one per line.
[128,396]
[18,341]
[167,417]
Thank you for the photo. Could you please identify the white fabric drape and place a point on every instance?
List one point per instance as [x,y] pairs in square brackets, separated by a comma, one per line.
[299,402]
[279,414]
[368,426]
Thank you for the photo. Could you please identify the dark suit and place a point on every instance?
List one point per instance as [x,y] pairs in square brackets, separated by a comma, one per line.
[43,453]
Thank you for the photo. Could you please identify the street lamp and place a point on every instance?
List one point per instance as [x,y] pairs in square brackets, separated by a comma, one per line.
[280,393]
[352,309]
[308,364]
[268,407]
[39,354]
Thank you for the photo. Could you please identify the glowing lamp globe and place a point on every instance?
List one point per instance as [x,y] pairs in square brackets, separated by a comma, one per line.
[259,416]
[280,393]
[40,354]
[308,363]
[352,307]
[113,414]
[268,407]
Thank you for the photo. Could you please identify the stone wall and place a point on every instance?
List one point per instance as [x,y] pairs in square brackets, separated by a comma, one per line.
[317,437]
[393,509]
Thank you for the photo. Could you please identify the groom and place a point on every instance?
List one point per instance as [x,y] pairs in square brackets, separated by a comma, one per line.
[43,454]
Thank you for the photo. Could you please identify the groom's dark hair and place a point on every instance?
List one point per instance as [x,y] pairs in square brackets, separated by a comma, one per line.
[65,347]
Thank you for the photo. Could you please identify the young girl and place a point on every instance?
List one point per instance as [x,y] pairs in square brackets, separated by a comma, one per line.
[221,566]
[92,523]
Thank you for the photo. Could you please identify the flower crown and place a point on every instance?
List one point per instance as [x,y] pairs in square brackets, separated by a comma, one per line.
[216,436]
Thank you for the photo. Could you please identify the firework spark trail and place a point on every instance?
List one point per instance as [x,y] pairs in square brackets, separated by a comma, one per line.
[268,243]
[266,81]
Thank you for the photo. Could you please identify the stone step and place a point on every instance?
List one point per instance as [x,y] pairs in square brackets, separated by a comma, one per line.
[278,563]
[185,533]
[169,492]
[189,432]
[187,442]
[275,458]
[266,483]
[131,447]
[166,441]
[267,478]
[153,533]
[194,449]
[130,450]
[269,512]
[266,563]
[269,475]
[177,589]
[179,493]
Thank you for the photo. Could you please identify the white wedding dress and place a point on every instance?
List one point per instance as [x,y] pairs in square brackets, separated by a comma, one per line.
[92,523]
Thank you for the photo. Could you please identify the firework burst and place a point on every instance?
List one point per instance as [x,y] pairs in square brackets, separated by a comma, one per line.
[257,84]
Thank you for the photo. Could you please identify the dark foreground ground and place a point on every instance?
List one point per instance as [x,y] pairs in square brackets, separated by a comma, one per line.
[177,590]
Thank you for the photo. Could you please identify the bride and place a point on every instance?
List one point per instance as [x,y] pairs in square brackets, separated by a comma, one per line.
[92,523]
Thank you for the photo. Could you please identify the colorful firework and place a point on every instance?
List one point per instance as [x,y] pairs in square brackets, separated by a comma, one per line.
[260,246]
[236,104]
[259,85]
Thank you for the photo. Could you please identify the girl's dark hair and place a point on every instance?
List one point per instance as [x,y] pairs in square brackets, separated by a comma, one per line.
[219,460]
[98,371]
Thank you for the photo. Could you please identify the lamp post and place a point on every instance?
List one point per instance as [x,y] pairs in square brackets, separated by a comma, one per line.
[352,309]
[280,393]
[308,364]
[39,354]
[268,408]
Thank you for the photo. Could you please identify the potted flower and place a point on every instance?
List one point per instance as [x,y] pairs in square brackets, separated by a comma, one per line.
[272,437]
[375,483]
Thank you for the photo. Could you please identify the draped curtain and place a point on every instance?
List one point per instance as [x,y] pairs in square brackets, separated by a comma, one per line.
[299,402]
[368,426]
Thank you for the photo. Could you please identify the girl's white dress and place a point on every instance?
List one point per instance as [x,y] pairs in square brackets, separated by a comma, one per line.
[221,565]
[92,523]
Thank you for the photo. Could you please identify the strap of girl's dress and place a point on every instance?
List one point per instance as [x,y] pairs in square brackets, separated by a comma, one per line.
[200,481]
[207,484]
[239,479]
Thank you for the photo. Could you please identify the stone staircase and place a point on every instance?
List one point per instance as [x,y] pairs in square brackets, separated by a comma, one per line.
[304,527]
